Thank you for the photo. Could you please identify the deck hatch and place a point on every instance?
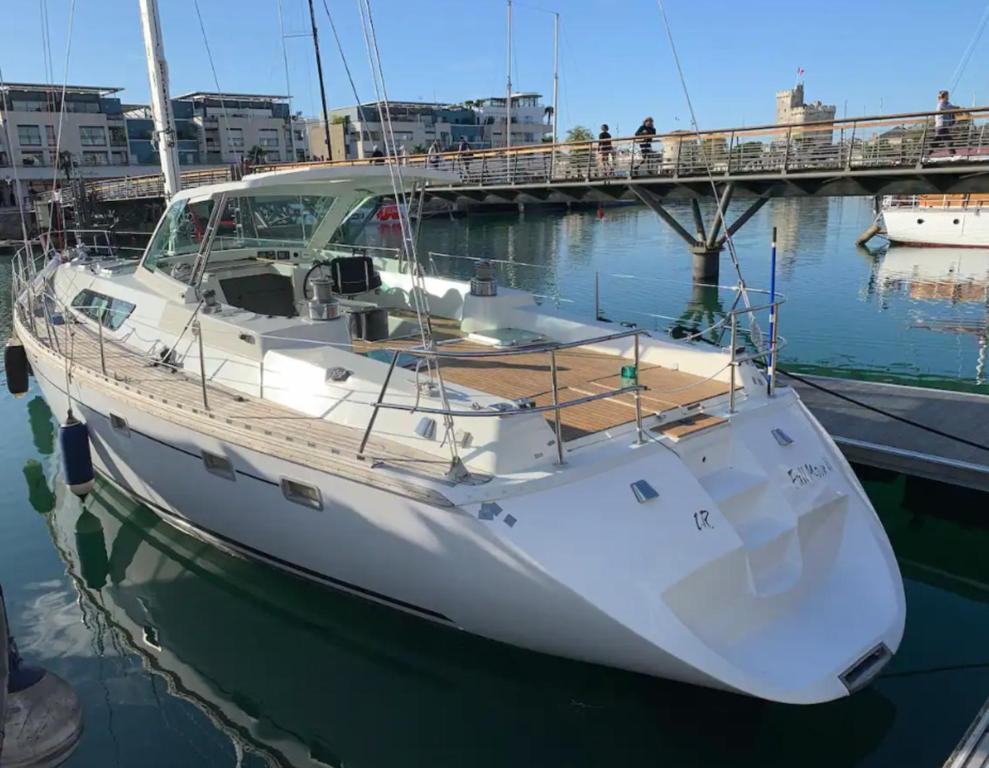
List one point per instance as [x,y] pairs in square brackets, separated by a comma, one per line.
[782,437]
[302,493]
[643,491]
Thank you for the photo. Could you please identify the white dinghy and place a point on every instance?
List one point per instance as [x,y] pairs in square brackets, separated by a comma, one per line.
[456,450]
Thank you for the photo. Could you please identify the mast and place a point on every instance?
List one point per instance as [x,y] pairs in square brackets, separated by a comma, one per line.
[161,106]
[556,72]
[508,101]
[322,88]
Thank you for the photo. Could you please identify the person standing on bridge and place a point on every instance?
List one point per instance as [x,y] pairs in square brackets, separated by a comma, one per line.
[433,153]
[647,130]
[465,156]
[944,122]
[606,150]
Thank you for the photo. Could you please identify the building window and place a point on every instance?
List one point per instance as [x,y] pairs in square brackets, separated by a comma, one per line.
[118,158]
[32,158]
[90,107]
[92,136]
[29,135]
[95,158]
[52,139]
[18,105]
[236,138]
[268,137]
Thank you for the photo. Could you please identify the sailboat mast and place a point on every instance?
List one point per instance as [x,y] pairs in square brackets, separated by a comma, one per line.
[508,100]
[556,73]
[161,106]
[322,88]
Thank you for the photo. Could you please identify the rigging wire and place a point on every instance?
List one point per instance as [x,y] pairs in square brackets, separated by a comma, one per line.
[967,53]
[212,66]
[742,288]
[402,200]
[346,68]
[13,165]
[61,112]
[883,412]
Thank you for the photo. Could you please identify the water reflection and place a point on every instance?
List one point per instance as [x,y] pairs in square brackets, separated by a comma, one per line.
[957,278]
[303,676]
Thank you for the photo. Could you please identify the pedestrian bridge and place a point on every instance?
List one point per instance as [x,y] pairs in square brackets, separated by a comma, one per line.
[891,154]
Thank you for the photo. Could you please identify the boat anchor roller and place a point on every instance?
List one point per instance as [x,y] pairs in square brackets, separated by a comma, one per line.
[77,461]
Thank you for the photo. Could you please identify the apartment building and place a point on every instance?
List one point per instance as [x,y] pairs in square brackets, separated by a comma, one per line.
[356,130]
[528,118]
[93,132]
[103,137]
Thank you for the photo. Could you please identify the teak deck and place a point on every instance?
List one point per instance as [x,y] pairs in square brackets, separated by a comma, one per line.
[580,372]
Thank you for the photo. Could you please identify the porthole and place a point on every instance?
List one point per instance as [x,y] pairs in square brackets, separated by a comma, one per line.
[956,221]
[119,423]
[302,493]
[218,465]
[920,221]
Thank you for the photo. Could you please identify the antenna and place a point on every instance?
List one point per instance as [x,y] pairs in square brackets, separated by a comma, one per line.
[322,87]
[508,101]
[556,73]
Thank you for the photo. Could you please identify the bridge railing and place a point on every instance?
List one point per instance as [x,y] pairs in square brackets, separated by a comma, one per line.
[896,141]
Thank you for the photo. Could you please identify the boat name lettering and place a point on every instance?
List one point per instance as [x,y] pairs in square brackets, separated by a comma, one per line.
[804,474]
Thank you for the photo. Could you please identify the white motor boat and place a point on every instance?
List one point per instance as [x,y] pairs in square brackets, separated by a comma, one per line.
[456,450]
[942,220]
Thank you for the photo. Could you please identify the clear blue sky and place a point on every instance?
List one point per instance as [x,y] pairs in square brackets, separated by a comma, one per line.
[616,64]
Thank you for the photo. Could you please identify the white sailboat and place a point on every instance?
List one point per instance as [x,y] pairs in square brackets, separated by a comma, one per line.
[959,221]
[455,450]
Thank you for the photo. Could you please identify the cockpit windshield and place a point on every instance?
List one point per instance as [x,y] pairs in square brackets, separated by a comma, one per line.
[249,222]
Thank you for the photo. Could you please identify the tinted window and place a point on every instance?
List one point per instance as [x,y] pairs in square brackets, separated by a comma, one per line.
[179,234]
[109,311]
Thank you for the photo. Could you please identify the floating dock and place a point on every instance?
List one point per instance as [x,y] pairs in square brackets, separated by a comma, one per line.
[973,750]
[872,438]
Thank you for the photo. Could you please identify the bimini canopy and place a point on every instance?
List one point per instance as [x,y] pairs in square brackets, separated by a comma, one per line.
[367,180]
[301,207]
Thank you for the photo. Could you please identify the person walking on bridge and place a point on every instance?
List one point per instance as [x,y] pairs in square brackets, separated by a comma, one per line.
[647,130]
[944,122]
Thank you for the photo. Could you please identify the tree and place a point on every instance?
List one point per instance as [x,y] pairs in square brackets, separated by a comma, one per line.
[418,149]
[548,115]
[579,133]
[255,155]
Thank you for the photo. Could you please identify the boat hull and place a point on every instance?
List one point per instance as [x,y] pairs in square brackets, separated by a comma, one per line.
[583,577]
[958,227]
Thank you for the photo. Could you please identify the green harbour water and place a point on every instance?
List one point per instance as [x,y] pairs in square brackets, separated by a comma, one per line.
[186,656]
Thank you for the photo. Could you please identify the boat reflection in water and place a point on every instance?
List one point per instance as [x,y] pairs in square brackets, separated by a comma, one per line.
[957,278]
[296,675]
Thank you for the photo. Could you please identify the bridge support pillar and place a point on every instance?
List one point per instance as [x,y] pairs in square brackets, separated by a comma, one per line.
[706,263]
[706,245]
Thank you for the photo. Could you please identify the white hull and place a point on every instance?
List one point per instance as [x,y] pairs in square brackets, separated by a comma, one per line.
[691,524]
[959,227]
[610,595]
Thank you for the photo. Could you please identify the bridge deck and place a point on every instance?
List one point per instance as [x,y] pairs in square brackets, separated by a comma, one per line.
[886,154]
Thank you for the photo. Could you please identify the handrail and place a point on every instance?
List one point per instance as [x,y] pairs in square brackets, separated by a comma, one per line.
[527,350]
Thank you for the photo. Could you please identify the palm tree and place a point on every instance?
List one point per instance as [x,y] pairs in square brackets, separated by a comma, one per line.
[255,155]
[548,114]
